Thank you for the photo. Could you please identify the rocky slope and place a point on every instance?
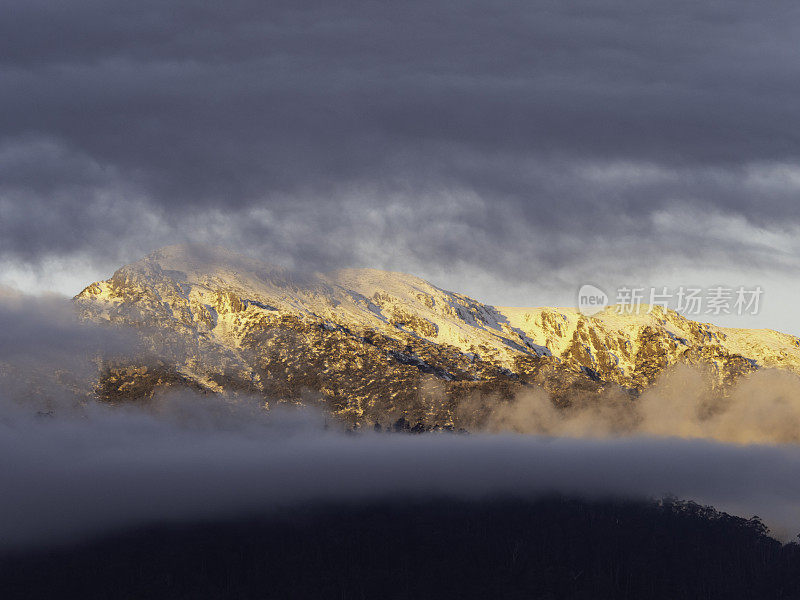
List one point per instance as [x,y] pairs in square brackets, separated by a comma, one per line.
[386,348]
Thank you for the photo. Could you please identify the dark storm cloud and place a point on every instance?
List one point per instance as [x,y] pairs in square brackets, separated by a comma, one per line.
[464,131]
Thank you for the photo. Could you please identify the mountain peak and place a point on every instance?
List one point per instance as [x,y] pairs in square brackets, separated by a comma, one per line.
[363,338]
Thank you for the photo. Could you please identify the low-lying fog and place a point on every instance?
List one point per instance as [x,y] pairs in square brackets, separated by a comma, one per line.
[189,457]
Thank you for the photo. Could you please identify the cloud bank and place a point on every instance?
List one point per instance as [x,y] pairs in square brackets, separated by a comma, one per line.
[109,469]
[482,144]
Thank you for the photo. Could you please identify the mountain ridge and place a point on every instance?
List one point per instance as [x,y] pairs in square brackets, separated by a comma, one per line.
[377,346]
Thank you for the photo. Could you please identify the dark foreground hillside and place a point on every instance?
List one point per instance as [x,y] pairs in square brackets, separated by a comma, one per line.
[549,548]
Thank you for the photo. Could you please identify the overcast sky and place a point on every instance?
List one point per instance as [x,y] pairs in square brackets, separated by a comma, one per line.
[510,150]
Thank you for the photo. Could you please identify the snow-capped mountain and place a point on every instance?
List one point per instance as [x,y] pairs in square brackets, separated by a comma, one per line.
[378,346]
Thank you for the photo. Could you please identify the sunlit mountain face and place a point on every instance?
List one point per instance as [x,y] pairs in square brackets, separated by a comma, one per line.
[404,300]
[383,350]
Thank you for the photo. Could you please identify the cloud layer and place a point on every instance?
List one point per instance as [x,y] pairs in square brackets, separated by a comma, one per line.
[483,143]
[188,459]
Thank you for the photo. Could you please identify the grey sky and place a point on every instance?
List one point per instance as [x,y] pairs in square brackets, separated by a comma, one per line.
[511,150]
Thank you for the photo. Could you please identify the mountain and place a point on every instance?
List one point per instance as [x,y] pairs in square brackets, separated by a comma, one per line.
[383,348]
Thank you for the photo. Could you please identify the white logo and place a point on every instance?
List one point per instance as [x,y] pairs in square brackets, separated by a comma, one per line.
[591,299]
